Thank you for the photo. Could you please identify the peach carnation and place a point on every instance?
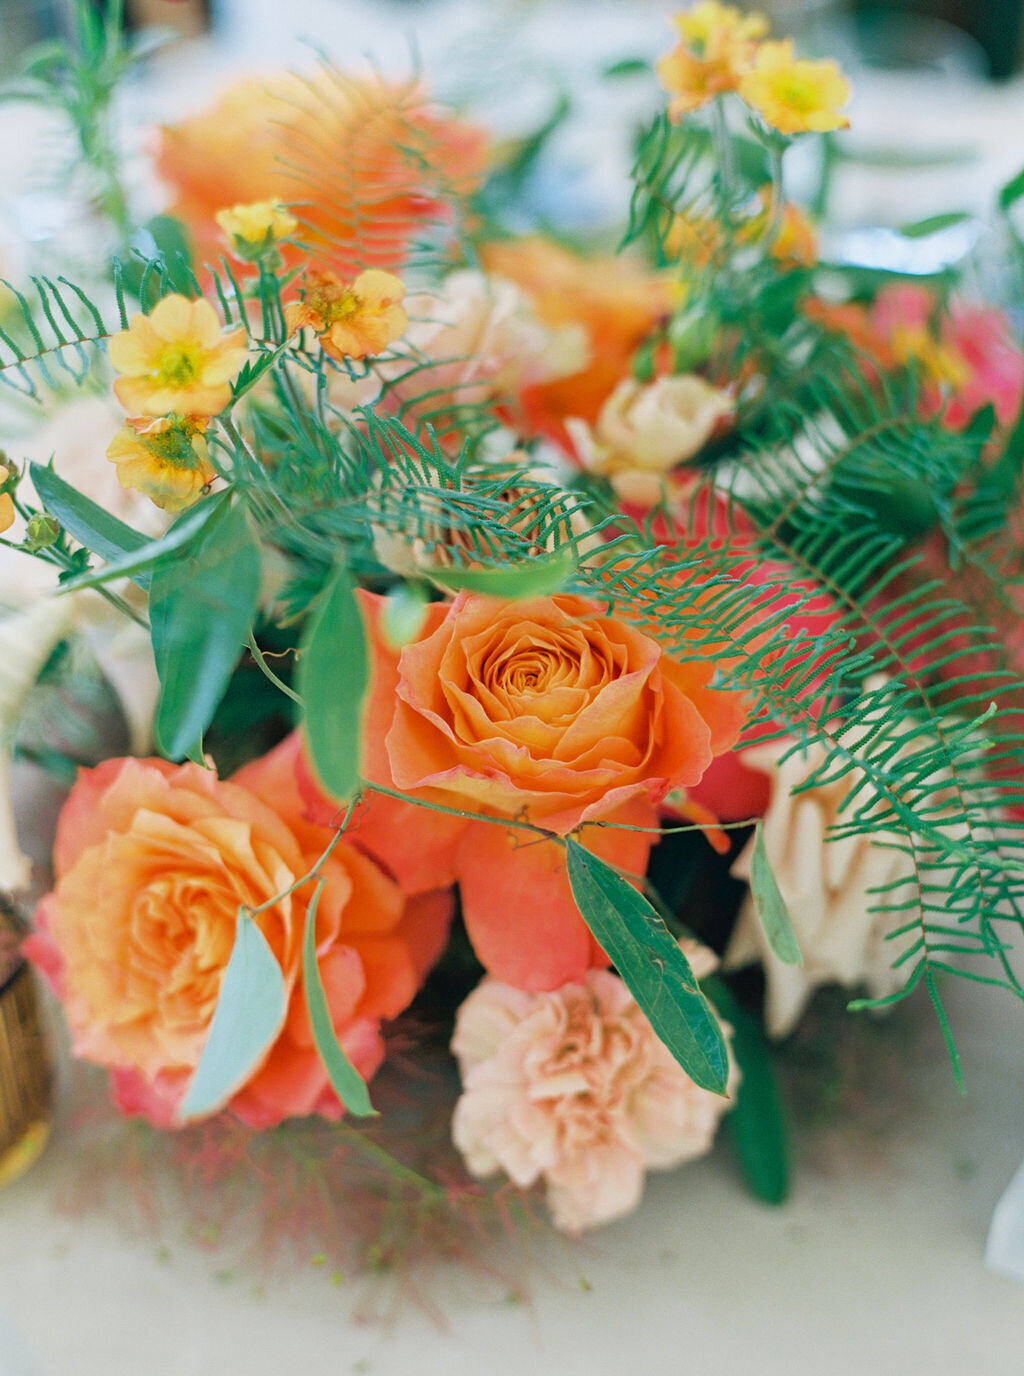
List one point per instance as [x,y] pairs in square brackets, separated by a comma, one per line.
[152,862]
[575,1089]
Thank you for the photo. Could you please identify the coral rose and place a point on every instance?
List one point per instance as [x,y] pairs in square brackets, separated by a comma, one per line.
[575,1089]
[153,861]
[544,710]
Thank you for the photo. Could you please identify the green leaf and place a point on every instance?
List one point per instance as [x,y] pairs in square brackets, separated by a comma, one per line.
[331,679]
[538,577]
[163,240]
[201,607]
[757,1124]
[403,614]
[1012,191]
[653,967]
[250,1013]
[627,66]
[934,224]
[131,562]
[770,906]
[84,521]
[348,1084]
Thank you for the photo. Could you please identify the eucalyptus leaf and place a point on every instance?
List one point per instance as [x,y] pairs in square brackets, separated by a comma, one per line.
[250,1013]
[1012,191]
[127,565]
[331,680]
[539,577]
[403,614]
[770,905]
[201,607]
[85,521]
[934,224]
[653,967]
[348,1084]
[757,1123]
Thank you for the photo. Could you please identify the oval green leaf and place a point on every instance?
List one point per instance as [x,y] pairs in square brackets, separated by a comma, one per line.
[348,1084]
[652,966]
[539,577]
[331,679]
[770,906]
[201,607]
[86,522]
[127,565]
[250,1013]
[757,1123]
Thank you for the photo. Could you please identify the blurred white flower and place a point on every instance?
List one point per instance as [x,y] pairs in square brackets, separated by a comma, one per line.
[827,888]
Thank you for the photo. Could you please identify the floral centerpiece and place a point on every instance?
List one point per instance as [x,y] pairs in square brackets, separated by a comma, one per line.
[592,654]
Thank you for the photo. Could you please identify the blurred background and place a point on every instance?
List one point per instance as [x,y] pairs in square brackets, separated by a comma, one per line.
[985,36]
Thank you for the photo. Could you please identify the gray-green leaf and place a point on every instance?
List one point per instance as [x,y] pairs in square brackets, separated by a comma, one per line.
[85,521]
[770,906]
[653,967]
[331,679]
[201,606]
[249,1016]
[348,1084]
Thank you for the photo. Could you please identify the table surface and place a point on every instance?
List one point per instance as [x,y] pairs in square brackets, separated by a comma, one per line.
[877,1258]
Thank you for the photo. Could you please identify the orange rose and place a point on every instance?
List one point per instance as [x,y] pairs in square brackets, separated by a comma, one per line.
[152,862]
[544,710]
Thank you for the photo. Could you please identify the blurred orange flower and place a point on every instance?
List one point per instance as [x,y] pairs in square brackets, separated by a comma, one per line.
[361,164]
[175,359]
[615,302]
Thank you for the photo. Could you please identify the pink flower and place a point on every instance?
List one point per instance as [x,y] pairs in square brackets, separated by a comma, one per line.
[969,352]
[574,1088]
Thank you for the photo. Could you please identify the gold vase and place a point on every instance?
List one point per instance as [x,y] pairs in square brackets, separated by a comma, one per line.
[26,1074]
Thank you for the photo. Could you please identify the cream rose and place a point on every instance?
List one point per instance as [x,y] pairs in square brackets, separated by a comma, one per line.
[645,429]
[831,889]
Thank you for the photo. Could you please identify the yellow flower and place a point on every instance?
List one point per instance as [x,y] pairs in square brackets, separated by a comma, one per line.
[257,227]
[942,364]
[793,95]
[718,47]
[176,359]
[709,26]
[166,459]
[353,319]
[795,243]
[7,512]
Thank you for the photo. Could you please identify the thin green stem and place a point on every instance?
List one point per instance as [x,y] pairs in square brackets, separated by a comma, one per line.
[257,655]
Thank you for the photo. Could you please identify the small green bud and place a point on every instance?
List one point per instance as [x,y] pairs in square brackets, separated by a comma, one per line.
[42,531]
[692,336]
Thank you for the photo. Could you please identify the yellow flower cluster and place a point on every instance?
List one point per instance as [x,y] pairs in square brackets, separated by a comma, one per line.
[720,52]
[175,368]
